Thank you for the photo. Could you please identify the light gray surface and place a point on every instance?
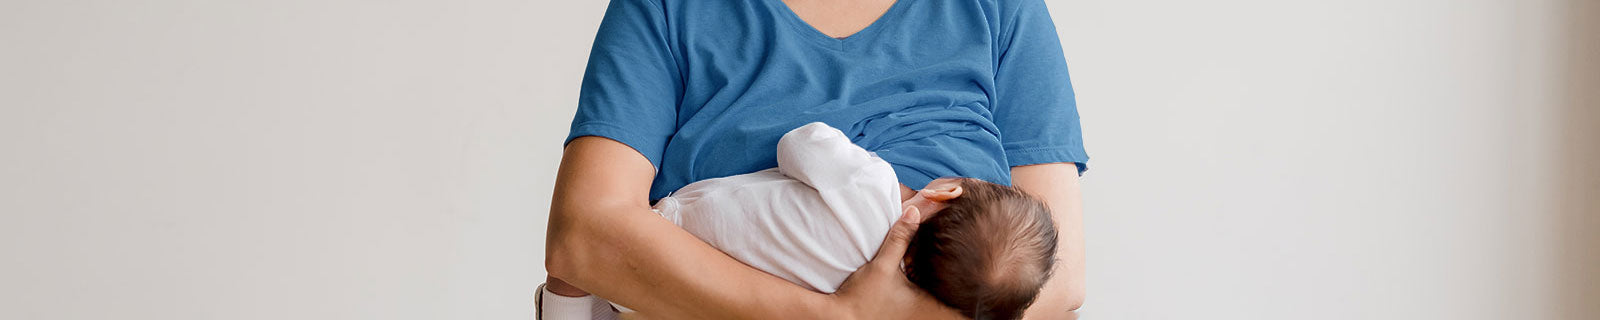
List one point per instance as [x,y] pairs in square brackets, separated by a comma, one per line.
[1357,159]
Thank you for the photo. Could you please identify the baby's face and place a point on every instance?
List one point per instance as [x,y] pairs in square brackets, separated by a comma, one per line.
[931,199]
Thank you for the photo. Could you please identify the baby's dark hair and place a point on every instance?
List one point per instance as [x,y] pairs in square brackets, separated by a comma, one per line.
[988,254]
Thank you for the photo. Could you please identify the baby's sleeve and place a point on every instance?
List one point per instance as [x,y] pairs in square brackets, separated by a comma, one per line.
[822,157]
[861,191]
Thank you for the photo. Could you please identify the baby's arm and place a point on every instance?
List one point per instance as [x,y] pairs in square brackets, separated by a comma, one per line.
[860,188]
[822,157]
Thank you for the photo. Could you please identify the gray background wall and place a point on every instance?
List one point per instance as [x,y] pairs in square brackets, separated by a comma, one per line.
[1363,159]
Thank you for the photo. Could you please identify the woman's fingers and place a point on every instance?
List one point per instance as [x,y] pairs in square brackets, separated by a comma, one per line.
[879,289]
[894,244]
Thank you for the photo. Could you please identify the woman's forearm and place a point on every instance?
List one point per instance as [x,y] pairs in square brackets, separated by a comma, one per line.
[604,239]
[1057,185]
[655,268]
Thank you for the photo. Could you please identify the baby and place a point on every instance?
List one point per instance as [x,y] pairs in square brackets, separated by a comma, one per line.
[983,249]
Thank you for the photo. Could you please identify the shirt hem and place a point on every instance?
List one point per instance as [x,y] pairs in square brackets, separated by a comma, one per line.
[1032,156]
[616,133]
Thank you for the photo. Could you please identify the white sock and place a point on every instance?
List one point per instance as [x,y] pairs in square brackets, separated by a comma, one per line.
[558,307]
[602,311]
[620,308]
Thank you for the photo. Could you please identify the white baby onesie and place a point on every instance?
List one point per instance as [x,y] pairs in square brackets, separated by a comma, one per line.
[813,220]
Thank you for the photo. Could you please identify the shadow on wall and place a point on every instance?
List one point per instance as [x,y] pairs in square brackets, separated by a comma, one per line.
[1578,277]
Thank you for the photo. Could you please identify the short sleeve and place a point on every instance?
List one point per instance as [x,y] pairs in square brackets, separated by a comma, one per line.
[631,88]
[1034,106]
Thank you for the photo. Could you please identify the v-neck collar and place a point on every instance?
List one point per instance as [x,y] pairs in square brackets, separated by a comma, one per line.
[806,30]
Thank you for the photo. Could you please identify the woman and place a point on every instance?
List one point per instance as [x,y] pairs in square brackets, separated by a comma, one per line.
[681,91]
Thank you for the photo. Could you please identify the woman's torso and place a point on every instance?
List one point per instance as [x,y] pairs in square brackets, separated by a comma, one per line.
[915,86]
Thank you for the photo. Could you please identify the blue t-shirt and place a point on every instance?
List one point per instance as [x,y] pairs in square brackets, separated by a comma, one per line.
[704,88]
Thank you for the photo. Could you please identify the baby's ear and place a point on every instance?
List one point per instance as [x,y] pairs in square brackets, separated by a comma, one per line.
[942,193]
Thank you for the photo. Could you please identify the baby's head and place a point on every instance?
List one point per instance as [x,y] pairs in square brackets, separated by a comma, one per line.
[983,249]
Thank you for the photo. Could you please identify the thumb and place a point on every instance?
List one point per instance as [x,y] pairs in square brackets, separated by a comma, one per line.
[894,244]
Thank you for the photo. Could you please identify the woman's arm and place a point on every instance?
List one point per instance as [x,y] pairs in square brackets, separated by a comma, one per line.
[604,239]
[1057,185]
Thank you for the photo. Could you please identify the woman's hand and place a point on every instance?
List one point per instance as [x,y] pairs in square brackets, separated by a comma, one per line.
[880,290]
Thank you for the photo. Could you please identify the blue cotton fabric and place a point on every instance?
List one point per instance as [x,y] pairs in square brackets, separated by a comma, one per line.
[704,88]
